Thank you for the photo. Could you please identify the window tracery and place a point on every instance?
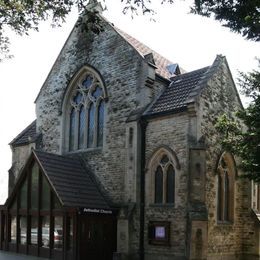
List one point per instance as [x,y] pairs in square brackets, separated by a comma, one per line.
[164,184]
[86,112]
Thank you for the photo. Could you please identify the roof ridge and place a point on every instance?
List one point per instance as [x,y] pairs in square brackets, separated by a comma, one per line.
[175,96]
[142,49]
[187,73]
[204,79]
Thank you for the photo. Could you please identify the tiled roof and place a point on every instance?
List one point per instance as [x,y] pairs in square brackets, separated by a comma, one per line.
[160,62]
[72,183]
[176,95]
[28,135]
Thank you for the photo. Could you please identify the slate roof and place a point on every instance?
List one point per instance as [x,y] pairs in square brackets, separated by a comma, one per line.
[176,95]
[72,183]
[28,135]
[160,61]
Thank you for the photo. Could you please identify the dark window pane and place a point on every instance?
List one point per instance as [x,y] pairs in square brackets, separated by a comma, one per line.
[70,233]
[164,159]
[72,129]
[77,98]
[34,231]
[98,92]
[13,229]
[58,232]
[219,198]
[23,198]
[100,123]
[82,125]
[226,197]
[23,230]
[45,203]
[87,82]
[34,186]
[14,204]
[159,185]
[91,124]
[170,184]
[57,204]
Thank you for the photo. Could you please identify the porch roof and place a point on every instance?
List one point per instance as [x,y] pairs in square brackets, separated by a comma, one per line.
[74,186]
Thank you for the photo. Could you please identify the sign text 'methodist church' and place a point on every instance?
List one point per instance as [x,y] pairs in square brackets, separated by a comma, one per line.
[124,161]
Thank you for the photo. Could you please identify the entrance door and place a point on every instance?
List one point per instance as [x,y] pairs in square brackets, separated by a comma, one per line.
[98,238]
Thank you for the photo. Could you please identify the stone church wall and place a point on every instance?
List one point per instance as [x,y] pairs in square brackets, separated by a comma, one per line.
[170,132]
[123,71]
[225,241]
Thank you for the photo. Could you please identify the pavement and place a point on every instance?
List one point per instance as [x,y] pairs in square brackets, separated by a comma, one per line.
[12,256]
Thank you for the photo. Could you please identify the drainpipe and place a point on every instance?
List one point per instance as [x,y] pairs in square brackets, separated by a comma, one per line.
[143,125]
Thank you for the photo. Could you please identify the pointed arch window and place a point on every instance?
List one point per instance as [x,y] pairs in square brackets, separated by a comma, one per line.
[158,185]
[85,111]
[226,183]
[164,183]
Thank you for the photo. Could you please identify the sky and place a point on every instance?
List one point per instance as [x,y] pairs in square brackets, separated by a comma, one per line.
[189,40]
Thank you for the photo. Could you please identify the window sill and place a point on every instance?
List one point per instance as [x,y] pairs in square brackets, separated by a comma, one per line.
[162,205]
[94,149]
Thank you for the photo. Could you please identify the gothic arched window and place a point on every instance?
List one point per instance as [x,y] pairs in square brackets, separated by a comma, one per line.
[164,184]
[85,111]
[226,183]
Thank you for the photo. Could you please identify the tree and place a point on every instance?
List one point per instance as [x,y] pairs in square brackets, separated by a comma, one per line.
[242,16]
[245,143]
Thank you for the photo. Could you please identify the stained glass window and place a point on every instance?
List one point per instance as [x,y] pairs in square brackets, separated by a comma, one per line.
[170,185]
[82,125]
[91,122]
[159,185]
[86,112]
[100,124]
[97,93]
[72,129]
[87,82]
[78,98]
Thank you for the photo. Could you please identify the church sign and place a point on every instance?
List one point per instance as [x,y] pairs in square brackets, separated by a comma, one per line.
[95,211]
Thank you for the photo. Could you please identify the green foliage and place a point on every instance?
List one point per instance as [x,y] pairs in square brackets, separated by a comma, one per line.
[241,16]
[22,16]
[245,143]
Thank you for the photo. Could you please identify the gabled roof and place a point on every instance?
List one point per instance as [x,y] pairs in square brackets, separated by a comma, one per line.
[28,135]
[71,182]
[175,96]
[68,178]
[183,90]
[160,62]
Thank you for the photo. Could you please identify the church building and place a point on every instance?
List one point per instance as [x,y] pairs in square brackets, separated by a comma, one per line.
[123,160]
